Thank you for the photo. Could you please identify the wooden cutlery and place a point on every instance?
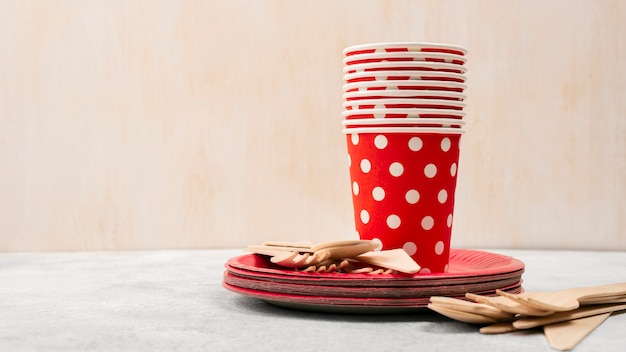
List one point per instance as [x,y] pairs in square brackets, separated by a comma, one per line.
[336,255]
[567,316]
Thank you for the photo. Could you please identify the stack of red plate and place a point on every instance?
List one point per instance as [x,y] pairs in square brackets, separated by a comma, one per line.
[472,271]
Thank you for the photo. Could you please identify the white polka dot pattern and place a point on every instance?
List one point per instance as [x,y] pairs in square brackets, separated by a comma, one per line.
[442,196]
[365,216]
[366,166]
[393,221]
[445,144]
[396,169]
[428,222]
[439,247]
[410,248]
[380,141]
[430,170]
[412,196]
[415,144]
[378,193]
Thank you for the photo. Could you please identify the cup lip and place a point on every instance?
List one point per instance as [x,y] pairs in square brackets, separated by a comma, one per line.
[392,45]
[435,130]
[457,103]
[404,92]
[406,54]
[403,121]
[408,111]
[420,73]
[407,82]
[416,64]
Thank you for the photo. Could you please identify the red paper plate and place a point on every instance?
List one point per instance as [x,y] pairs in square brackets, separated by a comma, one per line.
[470,271]
[341,304]
[369,280]
[398,292]
[466,266]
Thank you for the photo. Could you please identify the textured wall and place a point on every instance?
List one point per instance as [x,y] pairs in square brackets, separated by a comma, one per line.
[204,124]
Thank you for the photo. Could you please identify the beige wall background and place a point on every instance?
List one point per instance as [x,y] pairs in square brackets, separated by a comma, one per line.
[212,124]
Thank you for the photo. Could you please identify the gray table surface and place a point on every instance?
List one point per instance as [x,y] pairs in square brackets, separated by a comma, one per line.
[174,301]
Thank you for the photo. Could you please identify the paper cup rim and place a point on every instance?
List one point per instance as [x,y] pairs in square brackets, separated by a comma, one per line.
[405,92]
[404,73]
[403,121]
[434,130]
[392,64]
[384,45]
[407,82]
[383,101]
[406,54]
[408,111]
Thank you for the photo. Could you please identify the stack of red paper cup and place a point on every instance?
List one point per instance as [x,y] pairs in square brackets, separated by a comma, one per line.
[403,117]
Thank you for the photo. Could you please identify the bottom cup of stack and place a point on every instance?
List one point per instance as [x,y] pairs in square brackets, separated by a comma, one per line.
[403,186]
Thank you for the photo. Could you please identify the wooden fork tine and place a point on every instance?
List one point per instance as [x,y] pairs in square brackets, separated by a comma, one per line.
[290,259]
[301,260]
[284,257]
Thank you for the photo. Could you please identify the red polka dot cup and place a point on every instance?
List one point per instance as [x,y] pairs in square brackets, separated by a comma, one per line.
[425,66]
[403,185]
[405,47]
[402,113]
[404,94]
[405,85]
[400,103]
[404,122]
[404,56]
[403,75]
